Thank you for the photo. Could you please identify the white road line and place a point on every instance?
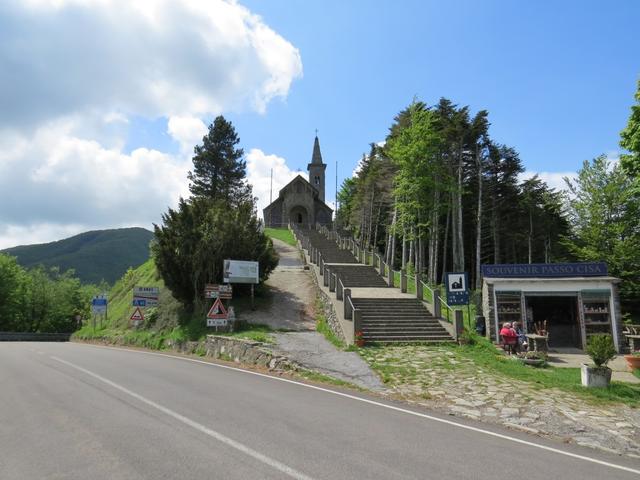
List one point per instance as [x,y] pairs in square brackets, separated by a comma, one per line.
[384,405]
[193,424]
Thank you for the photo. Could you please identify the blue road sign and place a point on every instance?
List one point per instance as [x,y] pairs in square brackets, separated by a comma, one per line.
[139,302]
[457,288]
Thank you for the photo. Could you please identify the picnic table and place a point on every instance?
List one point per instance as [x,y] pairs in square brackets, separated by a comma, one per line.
[538,343]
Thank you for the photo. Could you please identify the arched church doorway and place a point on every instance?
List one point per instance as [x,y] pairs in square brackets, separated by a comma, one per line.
[299,216]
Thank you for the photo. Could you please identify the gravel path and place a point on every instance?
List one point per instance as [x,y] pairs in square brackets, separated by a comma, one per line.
[292,308]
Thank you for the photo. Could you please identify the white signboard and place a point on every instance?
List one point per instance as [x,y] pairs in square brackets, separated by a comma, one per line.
[145,296]
[239,271]
[217,322]
[99,304]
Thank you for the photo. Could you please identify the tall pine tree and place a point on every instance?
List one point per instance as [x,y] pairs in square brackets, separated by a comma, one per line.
[219,170]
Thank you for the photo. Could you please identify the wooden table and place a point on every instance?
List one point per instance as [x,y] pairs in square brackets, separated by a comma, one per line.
[634,341]
[538,343]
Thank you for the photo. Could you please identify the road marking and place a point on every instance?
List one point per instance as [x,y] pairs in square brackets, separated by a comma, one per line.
[384,405]
[193,424]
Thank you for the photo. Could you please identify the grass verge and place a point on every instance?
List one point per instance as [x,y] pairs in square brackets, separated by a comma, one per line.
[322,326]
[283,234]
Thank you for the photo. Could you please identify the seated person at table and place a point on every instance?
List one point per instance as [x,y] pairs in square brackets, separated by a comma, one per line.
[522,338]
[509,338]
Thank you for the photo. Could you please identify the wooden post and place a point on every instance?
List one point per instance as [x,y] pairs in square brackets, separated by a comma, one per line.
[390,275]
[436,303]
[403,281]
[253,306]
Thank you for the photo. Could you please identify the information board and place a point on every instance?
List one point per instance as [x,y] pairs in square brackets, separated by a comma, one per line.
[240,271]
[457,288]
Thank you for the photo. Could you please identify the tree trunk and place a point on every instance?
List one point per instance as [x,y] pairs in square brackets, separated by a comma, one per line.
[530,239]
[478,221]
[444,244]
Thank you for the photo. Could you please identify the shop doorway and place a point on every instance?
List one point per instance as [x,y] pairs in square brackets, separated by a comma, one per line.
[561,314]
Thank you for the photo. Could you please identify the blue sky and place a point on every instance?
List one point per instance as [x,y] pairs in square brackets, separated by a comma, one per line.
[557,78]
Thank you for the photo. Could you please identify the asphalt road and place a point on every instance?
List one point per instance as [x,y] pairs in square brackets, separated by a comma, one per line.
[80,411]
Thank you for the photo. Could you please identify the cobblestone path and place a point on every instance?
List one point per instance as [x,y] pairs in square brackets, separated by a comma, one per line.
[437,377]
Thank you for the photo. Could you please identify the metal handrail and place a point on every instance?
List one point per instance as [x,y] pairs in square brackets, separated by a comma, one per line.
[448,308]
[426,287]
[353,309]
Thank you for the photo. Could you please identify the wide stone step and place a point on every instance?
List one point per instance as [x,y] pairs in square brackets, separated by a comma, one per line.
[408,339]
[407,330]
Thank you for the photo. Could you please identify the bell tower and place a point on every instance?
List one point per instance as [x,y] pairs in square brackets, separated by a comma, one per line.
[316,169]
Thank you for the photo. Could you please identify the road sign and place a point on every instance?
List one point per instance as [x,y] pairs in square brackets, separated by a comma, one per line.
[217,310]
[99,304]
[137,315]
[457,288]
[217,316]
[240,271]
[145,296]
[223,292]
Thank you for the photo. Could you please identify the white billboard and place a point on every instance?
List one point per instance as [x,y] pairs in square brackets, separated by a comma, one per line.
[240,271]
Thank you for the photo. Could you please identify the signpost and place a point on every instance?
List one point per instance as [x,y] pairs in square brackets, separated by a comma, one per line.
[223,292]
[99,306]
[146,296]
[457,284]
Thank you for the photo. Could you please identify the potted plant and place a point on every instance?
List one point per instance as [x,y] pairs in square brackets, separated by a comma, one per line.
[535,359]
[359,338]
[601,350]
[633,360]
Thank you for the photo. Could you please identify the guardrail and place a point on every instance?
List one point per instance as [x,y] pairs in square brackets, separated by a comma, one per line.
[34,337]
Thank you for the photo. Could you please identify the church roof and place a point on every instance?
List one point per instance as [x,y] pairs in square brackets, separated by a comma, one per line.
[316,158]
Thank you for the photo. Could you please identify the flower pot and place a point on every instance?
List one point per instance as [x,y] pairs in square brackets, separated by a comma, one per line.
[534,362]
[633,362]
[593,376]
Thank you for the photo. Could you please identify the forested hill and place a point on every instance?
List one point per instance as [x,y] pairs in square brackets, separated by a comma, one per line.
[95,256]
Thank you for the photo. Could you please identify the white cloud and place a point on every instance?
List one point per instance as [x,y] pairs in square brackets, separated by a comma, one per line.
[188,131]
[75,72]
[554,180]
[259,167]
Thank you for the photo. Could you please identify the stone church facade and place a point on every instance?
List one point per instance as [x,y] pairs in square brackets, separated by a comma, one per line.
[301,201]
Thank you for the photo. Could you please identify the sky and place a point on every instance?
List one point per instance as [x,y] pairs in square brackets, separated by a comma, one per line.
[102,101]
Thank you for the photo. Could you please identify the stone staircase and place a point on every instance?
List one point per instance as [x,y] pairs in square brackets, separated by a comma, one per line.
[385,314]
[358,276]
[331,252]
[397,320]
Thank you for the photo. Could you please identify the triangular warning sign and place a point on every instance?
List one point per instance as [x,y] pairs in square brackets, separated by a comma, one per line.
[217,310]
[137,315]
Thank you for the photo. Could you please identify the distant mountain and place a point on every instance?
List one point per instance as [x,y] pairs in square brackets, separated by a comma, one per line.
[95,256]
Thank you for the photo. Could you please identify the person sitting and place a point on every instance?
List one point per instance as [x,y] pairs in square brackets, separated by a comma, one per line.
[509,338]
[522,338]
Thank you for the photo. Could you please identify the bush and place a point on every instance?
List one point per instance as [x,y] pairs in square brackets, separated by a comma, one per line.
[601,349]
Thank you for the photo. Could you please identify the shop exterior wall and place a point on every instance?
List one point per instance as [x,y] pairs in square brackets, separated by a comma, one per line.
[570,285]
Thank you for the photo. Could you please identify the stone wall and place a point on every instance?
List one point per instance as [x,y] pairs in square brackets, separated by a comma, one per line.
[238,350]
[330,313]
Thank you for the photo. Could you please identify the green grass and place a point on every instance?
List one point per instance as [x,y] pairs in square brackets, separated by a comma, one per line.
[485,355]
[322,326]
[283,234]
[314,376]
[636,372]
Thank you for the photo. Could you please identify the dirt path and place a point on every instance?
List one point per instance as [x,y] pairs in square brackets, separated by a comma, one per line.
[292,308]
[293,294]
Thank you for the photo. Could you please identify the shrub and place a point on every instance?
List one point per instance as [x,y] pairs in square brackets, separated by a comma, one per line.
[601,349]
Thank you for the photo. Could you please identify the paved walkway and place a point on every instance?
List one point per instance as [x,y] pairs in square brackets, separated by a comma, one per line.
[292,308]
[312,350]
[573,358]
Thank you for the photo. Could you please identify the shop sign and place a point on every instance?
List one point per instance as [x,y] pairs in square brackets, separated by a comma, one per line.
[545,270]
[457,288]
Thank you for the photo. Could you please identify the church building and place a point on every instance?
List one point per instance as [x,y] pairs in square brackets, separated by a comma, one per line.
[301,202]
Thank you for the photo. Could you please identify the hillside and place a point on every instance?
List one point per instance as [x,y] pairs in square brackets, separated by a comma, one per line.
[95,256]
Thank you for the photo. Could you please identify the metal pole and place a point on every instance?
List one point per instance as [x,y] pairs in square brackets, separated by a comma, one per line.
[253,307]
